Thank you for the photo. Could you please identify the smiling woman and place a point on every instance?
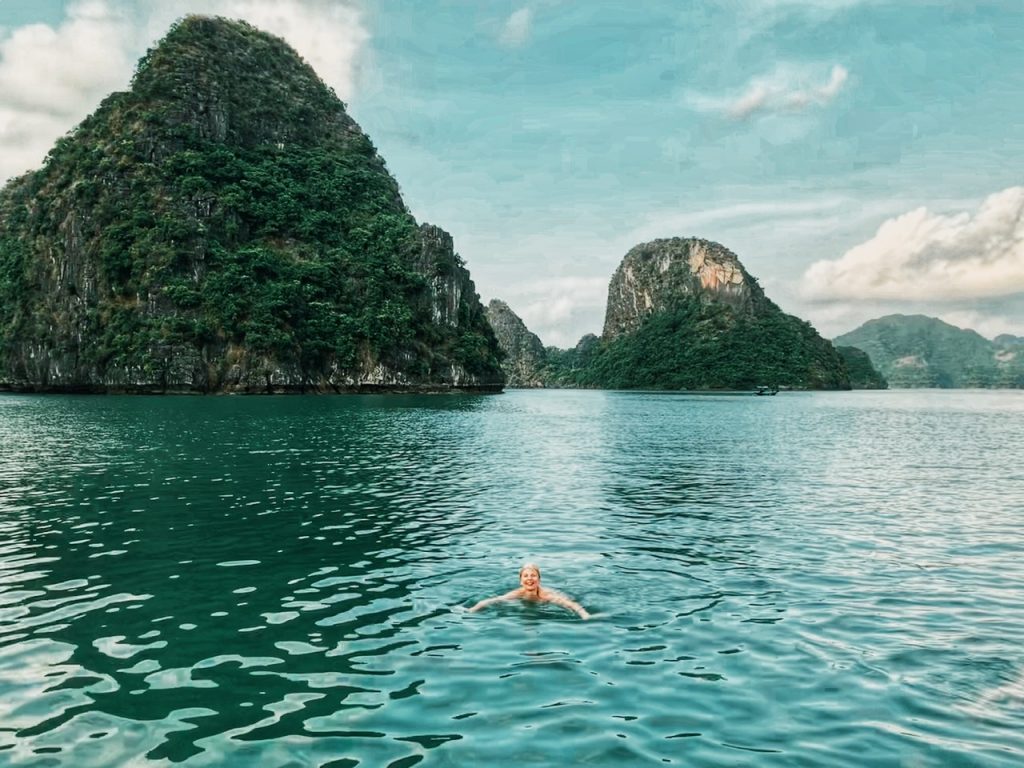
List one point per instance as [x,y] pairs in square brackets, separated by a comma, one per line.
[530,589]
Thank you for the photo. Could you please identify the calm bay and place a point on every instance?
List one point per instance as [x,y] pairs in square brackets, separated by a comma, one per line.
[811,579]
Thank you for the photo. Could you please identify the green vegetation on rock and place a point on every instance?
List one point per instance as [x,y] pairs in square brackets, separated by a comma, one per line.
[698,345]
[862,373]
[570,367]
[226,225]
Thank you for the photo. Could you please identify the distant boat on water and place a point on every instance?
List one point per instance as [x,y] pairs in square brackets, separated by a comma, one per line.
[762,390]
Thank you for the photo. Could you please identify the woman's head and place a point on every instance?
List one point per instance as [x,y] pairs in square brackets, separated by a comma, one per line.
[529,576]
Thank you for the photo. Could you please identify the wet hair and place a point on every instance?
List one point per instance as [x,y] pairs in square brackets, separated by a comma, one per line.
[524,566]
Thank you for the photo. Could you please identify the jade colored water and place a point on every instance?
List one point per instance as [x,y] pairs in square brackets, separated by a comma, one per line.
[811,579]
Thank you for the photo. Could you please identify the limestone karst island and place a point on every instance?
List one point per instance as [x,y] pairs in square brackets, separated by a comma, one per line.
[225,226]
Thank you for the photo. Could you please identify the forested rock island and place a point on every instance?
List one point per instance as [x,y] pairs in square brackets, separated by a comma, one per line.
[225,226]
[682,313]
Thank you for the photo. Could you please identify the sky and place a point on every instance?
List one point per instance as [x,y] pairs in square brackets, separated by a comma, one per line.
[861,157]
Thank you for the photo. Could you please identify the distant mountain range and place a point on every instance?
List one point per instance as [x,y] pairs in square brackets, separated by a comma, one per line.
[919,351]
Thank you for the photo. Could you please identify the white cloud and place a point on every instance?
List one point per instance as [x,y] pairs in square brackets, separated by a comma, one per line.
[699,223]
[836,318]
[987,324]
[561,309]
[559,296]
[786,89]
[52,77]
[516,30]
[782,91]
[799,99]
[924,256]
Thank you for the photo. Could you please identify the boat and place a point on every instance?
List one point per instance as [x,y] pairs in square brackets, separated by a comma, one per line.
[762,390]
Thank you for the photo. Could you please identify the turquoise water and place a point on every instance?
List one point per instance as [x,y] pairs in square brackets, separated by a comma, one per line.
[827,579]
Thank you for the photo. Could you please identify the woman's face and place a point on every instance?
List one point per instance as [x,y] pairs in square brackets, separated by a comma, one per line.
[529,579]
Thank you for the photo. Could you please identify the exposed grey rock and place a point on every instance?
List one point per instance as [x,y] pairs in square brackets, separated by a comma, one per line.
[525,356]
[654,274]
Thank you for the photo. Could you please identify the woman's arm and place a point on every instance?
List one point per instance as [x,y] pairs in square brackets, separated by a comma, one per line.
[566,602]
[484,603]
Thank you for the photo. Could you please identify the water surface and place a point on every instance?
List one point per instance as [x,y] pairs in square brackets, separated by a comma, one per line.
[828,579]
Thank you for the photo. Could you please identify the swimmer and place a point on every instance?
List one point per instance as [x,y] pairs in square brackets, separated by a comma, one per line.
[530,589]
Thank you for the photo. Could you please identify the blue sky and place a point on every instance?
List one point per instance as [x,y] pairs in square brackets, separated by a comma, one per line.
[861,157]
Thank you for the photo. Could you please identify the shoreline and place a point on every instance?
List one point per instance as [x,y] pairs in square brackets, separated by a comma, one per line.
[153,390]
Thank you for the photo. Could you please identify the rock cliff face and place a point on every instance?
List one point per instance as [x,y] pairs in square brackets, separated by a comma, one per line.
[525,356]
[685,314]
[655,275]
[226,226]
